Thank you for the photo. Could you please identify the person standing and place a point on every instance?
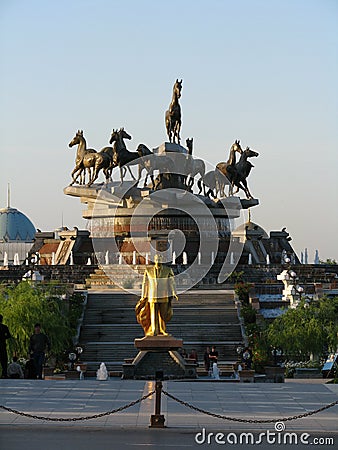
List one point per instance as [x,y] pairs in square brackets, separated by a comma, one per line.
[38,345]
[206,359]
[4,335]
[193,355]
[213,355]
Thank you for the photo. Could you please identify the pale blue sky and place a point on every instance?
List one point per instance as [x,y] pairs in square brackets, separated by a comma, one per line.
[261,71]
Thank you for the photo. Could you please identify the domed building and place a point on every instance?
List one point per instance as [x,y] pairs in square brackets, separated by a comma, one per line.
[261,248]
[17,234]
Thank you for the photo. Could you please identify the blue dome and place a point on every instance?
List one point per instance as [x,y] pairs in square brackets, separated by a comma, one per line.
[15,226]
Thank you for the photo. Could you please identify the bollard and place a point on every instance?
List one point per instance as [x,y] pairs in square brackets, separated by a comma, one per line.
[157,419]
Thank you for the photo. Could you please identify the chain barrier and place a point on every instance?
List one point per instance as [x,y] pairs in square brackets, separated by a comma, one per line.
[186,404]
[77,419]
[238,419]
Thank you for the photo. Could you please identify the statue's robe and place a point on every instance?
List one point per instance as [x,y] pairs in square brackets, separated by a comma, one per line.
[154,309]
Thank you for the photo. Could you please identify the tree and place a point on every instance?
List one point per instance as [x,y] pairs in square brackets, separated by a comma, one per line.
[26,304]
[329,261]
[306,330]
[242,290]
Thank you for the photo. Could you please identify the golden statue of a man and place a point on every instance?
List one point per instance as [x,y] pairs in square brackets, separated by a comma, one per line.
[154,309]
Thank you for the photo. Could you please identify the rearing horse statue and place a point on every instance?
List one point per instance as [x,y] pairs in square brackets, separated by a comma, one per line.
[226,169]
[242,170]
[173,114]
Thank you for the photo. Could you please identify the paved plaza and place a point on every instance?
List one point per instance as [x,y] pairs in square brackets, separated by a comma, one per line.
[130,428]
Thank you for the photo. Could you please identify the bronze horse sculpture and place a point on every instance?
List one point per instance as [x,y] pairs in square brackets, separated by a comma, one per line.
[193,166]
[123,158]
[225,169]
[80,170]
[207,184]
[173,114]
[242,170]
[88,159]
[151,162]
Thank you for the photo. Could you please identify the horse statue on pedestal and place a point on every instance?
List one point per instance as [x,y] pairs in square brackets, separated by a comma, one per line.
[242,171]
[151,162]
[173,114]
[87,159]
[227,168]
[122,156]
[80,171]
[193,166]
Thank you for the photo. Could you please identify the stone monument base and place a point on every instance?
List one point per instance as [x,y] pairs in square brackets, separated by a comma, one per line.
[158,353]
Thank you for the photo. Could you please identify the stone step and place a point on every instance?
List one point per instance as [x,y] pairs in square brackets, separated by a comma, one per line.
[197,319]
[201,334]
[115,352]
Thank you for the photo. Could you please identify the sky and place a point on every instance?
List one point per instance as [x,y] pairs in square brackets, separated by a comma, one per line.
[262,71]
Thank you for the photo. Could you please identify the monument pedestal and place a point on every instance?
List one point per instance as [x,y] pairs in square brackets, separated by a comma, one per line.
[158,353]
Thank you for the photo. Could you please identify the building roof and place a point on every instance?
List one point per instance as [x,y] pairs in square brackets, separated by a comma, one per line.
[250,227]
[15,226]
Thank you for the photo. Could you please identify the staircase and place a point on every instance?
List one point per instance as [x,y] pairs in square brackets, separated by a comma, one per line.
[201,318]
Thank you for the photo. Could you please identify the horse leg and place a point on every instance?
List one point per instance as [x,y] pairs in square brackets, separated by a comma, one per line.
[106,174]
[191,182]
[96,170]
[152,180]
[131,173]
[199,185]
[239,186]
[231,189]
[246,190]
[93,177]
[140,168]
[178,132]
[75,171]
[88,173]
[121,174]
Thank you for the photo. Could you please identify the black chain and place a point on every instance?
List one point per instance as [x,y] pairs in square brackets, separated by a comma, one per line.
[237,419]
[195,408]
[76,419]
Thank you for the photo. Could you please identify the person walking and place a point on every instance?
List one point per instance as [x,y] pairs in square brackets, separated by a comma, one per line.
[38,345]
[4,335]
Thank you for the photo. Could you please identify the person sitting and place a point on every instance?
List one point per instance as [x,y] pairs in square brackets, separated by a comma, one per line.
[193,355]
[237,369]
[14,369]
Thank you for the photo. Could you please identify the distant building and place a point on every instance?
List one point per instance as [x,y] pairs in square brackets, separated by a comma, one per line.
[64,247]
[260,247]
[17,234]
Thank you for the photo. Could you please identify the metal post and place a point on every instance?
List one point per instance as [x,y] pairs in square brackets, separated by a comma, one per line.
[157,419]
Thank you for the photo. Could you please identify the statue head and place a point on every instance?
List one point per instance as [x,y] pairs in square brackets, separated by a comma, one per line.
[236,146]
[76,139]
[189,143]
[250,153]
[158,259]
[178,88]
